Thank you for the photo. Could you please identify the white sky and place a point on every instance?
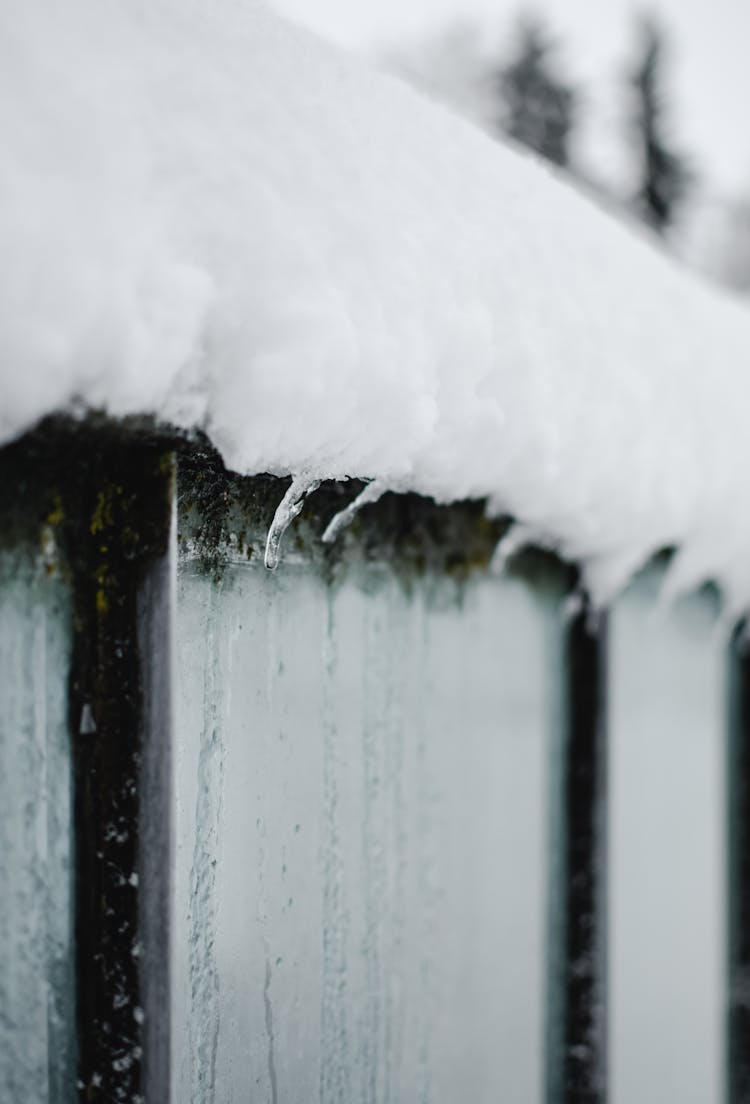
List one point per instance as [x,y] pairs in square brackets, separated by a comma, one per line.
[709,58]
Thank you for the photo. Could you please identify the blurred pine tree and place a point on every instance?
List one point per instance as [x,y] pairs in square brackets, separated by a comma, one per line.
[665,176]
[539,107]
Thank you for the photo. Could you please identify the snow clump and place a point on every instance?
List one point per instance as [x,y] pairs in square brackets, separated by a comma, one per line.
[210,215]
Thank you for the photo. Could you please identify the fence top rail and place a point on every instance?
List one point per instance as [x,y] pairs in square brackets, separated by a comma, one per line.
[224,517]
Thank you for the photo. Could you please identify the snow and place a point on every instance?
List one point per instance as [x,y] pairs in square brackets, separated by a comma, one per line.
[210,215]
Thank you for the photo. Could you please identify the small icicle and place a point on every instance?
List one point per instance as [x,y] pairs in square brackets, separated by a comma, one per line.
[371,493]
[573,605]
[287,510]
[518,537]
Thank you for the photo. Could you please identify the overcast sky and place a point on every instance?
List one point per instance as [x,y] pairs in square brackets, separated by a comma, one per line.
[709,58]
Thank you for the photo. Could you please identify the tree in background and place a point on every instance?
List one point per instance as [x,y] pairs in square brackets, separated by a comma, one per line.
[664,175]
[539,107]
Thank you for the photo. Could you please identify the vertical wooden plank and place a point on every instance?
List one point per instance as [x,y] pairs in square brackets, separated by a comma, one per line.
[37,1007]
[738,788]
[577,1057]
[117,495]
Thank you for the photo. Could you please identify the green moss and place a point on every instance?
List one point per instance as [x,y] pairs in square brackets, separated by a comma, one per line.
[224,518]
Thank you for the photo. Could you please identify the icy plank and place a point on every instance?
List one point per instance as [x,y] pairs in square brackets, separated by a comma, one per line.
[667,859]
[360,779]
[36,838]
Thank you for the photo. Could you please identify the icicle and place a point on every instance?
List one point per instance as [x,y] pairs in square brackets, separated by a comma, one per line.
[371,493]
[517,537]
[573,605]
[286,512]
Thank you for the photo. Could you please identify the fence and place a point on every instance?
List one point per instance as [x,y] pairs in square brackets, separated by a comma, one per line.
[379,826]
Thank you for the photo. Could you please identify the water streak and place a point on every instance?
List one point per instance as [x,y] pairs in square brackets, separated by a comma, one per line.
[335,1066]
[205,1004]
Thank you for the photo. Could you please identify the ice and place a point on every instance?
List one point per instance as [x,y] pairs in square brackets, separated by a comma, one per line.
[371,493]
[211,216]
[286,511]
[515,540]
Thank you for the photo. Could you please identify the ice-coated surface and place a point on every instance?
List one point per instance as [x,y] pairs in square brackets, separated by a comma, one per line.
[667,955]
[208,214]
[361,838]
[37,1017]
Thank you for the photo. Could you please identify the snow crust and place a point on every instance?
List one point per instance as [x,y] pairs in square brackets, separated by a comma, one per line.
[212,216]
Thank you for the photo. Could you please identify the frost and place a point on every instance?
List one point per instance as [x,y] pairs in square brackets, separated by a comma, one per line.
[286,511]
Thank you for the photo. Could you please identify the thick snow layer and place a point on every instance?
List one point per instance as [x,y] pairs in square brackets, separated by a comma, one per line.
[210,215]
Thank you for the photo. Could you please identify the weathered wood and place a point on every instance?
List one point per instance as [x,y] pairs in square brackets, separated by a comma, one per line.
[577,1059]
[116,501]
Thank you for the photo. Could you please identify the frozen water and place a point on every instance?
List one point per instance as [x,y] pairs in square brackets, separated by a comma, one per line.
[287,510]
[371,493]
